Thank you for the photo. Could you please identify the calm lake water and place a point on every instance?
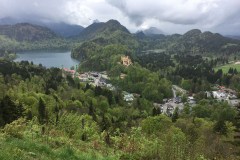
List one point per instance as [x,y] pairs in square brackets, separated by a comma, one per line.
[48,58]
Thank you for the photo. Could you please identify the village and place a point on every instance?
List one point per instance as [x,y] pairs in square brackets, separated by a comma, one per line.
[168,106]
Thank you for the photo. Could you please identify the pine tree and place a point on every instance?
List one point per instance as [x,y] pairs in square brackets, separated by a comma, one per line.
[235,71]
[41,112]
[237,131]
[88,86]
[230,71]
[84,135]
[154,111]
[92,111]
[9,111]
[56,109]
[2,121]
[220,127]
[175,115]
[98,91]
[29,115]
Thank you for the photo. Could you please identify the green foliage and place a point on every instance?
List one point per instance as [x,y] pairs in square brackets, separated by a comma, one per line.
[155,61]
[157,124]
[77,126]
[216,111]
[16,128]
[99,58]
[80,121]
[142,81]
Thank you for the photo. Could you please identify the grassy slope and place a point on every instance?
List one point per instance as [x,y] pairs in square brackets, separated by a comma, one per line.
[25,149]
[226,67]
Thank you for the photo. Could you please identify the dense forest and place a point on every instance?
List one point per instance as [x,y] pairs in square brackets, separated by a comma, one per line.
[45,115]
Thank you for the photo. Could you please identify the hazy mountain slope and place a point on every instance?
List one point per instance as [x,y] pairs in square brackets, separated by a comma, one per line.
[152,30]
[25,36]
[64,29]
[197,42]
[60,28]
[26,32]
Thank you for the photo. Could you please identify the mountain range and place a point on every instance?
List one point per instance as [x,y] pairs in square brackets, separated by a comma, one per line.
[112,32]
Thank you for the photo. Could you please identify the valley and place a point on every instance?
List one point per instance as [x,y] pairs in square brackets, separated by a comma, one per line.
[107,93]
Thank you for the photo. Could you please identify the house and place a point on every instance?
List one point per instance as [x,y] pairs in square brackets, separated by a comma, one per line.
[169,110]
[128,97]
[165,100]
[208,94]
[94,74]
[232,96]
[126,61]
[177,99]
[191,100]
[73,73]
[122,75]
[219,94]
[235,102]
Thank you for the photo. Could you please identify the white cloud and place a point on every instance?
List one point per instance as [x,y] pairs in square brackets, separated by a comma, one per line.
[170,16]
[204,14]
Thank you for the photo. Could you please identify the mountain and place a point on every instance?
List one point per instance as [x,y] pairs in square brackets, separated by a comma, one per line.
[102,29]
[233,36]
[103,34]
[64,29]
[140,35]
[26,32]
[152,31]
[197,42]
[60,28]
[90,31]
[9,21]
[103,44]
[192,42]
[25,36]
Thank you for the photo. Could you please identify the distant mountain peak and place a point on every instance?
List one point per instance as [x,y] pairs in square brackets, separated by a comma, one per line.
[96,21]
[96,29]
[193,32]
[140,34]
[113,21]
[152,31]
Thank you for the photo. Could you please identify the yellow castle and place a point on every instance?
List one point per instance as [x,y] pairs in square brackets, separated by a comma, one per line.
[126,61]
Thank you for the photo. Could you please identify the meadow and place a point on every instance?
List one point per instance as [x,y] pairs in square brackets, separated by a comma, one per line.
[226,67]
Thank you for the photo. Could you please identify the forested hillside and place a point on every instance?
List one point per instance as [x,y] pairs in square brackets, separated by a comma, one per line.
[24,36]
[192,42]
[99,35]
[103,44]
[26,32]
[48,116]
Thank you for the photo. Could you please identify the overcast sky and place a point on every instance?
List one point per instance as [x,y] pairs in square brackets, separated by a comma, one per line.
[171,16]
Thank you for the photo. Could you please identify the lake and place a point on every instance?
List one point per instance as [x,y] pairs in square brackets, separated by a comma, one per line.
[48,58]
